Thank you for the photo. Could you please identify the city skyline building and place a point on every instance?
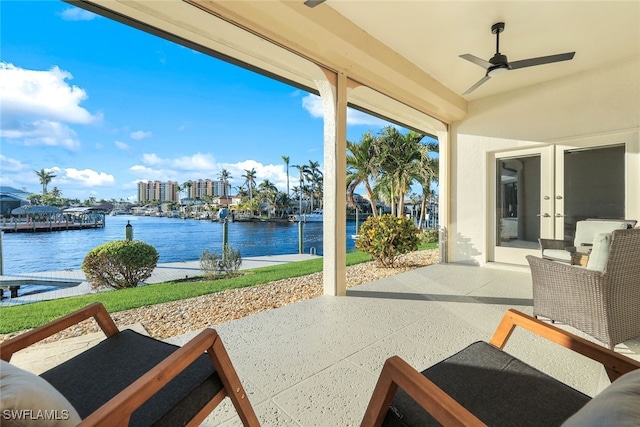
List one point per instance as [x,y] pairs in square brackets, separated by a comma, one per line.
[170,191]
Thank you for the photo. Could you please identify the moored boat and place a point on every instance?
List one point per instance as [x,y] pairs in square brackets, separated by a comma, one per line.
[315,216]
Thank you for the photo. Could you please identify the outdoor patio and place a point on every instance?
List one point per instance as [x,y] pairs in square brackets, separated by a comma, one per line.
[315,363]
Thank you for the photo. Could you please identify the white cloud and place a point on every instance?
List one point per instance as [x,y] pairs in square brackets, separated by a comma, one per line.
[196,163]
[88,177]
[74,183]
[313,104]
[204,166]
[139,134]
[43,132]
[196,166]
[13,171]
[11,165]
[151,174]
[151,159]
[42,94]
[38,106]
[274,173]
[77,14]
[121,145]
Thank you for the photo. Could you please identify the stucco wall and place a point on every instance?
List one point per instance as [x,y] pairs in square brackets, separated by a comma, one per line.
[579,107]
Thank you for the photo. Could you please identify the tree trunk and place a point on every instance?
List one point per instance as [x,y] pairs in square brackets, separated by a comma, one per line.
[374,208]
[423,207]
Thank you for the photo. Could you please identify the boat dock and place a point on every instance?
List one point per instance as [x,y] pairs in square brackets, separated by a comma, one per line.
[50,218]
[36,226]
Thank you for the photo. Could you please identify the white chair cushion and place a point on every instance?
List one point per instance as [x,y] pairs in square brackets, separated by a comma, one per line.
[28,400]
[586,231]
[600,252]
[557,254]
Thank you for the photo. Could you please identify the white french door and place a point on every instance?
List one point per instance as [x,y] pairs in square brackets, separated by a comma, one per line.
[589,183]
[543,192]
[523,206]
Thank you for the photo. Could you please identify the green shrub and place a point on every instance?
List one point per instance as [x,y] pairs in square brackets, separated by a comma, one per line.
[429,236]
[386,237]
[227,263]
[120,264]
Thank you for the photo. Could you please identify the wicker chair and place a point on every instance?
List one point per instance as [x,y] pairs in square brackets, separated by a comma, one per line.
[603,304]
[564,250]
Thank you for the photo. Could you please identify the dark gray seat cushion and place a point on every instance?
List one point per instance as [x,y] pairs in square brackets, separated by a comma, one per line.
[95,376]
[494,386]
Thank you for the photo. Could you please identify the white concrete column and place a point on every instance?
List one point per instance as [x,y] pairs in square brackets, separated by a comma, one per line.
[445,137]
[333,92]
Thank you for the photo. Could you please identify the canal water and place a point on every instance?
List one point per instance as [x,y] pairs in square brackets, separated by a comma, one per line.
[175,240]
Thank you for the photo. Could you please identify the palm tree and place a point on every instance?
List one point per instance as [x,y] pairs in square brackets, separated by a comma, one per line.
[282,203]
[177,189]
[250,181]
[362,166]
[268,193]
[241,192]
[300,190]
[314,177]
[186,186]
[285,159]
[45,178]
[427,172]
[224,176]
[399,156]
[56,193]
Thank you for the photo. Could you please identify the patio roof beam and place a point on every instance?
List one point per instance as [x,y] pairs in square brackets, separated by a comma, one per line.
[328,39]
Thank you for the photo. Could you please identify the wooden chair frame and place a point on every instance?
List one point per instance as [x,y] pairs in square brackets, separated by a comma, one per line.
[118,410]
[397,373]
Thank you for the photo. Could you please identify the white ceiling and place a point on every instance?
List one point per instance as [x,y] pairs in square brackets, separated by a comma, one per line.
[408,50]
[432,35]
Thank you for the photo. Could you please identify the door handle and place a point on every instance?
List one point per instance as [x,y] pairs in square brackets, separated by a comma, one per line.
[559,215]
[544,215]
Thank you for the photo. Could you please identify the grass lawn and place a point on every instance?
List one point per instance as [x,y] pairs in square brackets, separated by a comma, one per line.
[17,318]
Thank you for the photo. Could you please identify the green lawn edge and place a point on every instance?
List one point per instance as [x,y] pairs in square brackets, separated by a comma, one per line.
[27,316]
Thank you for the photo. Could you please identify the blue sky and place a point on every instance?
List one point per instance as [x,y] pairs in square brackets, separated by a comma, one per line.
[103,106]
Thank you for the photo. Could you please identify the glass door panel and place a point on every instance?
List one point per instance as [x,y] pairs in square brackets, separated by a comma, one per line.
[518,202]
[590,184]
[523,205]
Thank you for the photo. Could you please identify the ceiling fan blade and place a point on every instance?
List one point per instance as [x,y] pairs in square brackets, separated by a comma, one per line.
[475,86]
[478,61]
[541,60]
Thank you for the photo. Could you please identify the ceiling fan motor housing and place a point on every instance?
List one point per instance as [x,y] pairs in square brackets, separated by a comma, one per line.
[497,28]
[499,59]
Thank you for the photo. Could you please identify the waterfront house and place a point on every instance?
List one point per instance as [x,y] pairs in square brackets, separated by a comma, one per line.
[12,198]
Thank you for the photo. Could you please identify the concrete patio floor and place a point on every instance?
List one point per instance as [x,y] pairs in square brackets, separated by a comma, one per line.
[315,363]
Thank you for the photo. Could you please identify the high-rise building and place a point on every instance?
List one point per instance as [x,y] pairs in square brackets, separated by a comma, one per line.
[157,191]
[150,191]
[202,188]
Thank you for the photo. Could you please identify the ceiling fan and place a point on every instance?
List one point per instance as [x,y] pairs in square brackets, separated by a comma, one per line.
[498,64]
